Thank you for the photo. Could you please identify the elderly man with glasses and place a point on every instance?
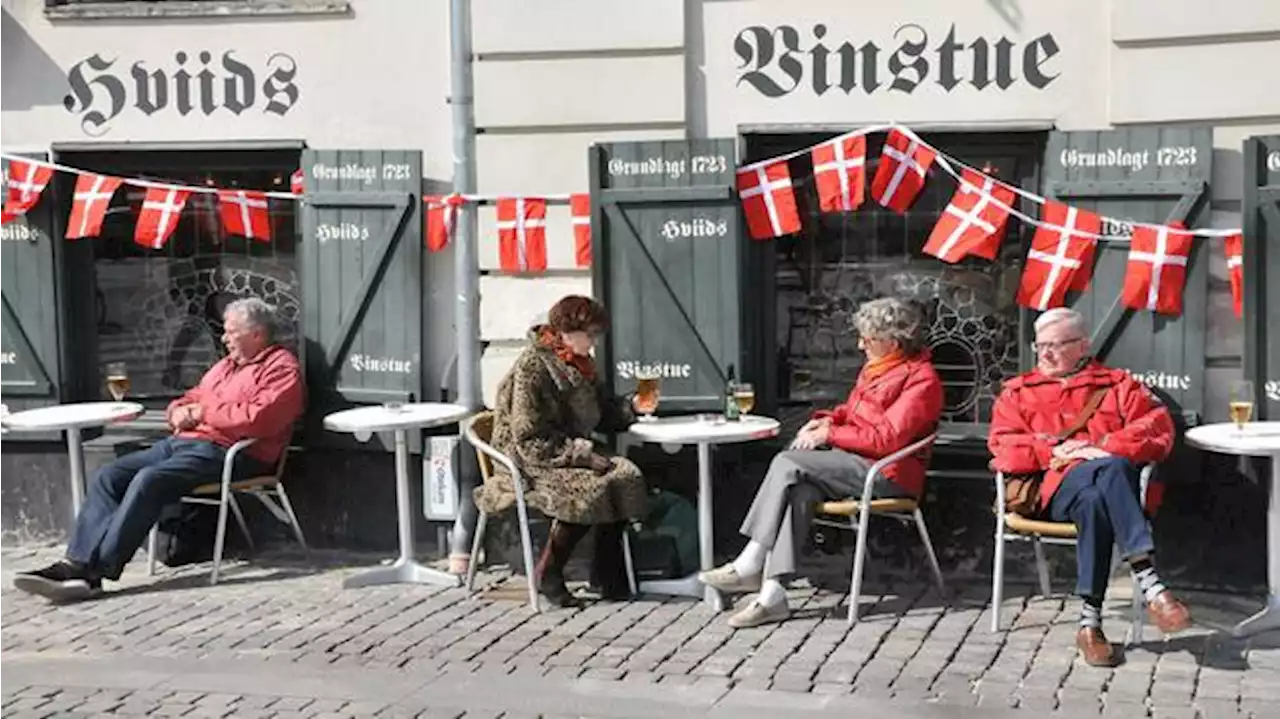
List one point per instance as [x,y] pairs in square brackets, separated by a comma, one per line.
[1088,476]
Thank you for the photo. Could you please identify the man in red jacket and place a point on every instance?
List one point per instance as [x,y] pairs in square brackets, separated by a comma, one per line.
[896,401]
[1090,477]
[255,391]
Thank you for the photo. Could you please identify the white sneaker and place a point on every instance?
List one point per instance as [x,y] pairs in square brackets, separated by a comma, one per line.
[726,579]
[756,614]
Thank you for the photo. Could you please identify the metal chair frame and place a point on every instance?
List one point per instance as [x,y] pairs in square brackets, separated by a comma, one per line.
[860,519]
[268,489]
[487,454]
[1005,533]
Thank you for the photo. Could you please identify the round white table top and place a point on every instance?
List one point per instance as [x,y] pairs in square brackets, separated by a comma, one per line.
[1257,439]
[705,428]
[72,416]
[379,418]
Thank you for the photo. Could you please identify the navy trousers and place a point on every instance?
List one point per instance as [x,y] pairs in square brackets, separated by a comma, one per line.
[125,498]
[1101,498]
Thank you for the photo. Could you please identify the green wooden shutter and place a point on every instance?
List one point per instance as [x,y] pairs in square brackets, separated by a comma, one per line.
[361,260]
[32,375]
[1146,174]
[664,215]
[1262,263]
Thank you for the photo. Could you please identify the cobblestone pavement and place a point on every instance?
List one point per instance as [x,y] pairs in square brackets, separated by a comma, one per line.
[279,637]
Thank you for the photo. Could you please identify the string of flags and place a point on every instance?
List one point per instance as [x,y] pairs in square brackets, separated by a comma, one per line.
[1060,259]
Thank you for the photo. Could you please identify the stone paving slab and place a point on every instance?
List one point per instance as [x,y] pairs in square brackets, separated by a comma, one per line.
[280,638]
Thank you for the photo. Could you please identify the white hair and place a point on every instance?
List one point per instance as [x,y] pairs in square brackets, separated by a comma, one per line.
[257,313]
[1062,314]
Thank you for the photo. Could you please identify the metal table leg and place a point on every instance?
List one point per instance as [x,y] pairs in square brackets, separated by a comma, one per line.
[405,570]
[690,586]
[75,455]
[1269,618]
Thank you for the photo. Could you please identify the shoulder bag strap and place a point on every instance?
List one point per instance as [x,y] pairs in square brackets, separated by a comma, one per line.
[1090,407]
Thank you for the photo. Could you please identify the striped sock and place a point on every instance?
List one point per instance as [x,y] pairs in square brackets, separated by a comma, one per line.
[1148,580]
[1091,613]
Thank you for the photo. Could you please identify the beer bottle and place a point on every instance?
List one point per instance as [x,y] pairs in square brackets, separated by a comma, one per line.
[730,404]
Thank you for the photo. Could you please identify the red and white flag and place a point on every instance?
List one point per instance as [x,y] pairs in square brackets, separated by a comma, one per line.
[161,209]
[1056,257]
[89,205]
[245,213]
[840,172]
[904,166]
[580,212]
[1082,223]
[27,181]
[442,220]
[767,200]
[1235,271]
[522,234]
[296,181]
[1157,269]
[973,223]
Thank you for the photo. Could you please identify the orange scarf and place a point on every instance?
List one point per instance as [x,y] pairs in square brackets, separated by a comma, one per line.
[878,367]
[549,338]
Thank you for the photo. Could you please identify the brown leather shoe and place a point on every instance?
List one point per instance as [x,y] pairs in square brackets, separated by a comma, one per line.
[1169,614]
[1094,647]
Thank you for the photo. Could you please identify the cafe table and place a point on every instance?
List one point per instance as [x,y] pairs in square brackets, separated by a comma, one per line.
[398,419]
[1257,439]
[701,430]
[71,418]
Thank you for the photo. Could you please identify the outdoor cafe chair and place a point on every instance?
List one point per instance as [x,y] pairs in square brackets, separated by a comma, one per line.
[267,488]
[859,512]
[1013,527]
[479,432]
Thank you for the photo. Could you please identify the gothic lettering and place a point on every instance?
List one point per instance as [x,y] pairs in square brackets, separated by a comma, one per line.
[365,363]
[350,171]
[341,231]
[774,61]
[8,357]
[628,369]
[99,92]
[1272,388]
[699,227]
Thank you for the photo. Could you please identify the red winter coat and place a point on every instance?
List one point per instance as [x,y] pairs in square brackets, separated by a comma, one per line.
[887,413]
[1130,422]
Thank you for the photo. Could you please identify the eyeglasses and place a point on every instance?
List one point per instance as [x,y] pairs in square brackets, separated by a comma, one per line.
[1043,346]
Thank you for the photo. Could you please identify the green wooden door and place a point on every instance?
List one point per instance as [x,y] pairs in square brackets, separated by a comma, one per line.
[1262,271]
[1146,174]
[29,342]
[668,266]
[361,268]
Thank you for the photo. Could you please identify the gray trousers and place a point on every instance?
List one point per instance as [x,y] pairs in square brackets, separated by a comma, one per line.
[797,480]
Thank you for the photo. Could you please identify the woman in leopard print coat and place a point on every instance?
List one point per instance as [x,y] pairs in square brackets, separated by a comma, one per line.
[547,408]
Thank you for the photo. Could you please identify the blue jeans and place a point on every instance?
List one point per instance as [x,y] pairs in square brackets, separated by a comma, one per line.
[125,497]
[1101,498]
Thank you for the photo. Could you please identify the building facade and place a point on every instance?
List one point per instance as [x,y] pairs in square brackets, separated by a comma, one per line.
[1138,109]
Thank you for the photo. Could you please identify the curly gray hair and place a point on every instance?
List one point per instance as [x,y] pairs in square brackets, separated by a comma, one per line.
[257,313]
[890,318]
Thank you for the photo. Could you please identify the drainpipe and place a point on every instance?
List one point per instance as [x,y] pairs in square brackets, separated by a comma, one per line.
[466,259]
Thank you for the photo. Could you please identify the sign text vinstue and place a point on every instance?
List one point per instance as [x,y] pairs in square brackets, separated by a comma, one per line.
[192,82]
[778,61]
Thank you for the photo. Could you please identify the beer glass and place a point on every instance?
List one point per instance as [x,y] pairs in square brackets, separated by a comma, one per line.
[117,380]
[1240,408]
[647,394]
[744,395]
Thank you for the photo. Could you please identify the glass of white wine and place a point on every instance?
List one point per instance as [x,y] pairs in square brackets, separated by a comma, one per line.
[1241,403]
[744,395]
[117,380]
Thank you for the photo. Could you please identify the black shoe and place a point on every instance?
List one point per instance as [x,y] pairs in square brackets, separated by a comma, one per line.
[62,581]
[549,574]
[608,564]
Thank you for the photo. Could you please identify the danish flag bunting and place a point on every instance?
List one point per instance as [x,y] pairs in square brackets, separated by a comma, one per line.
[839,171]
[522,234]
[904,165]
[580,212]
[1235,271]
[1157,269]
[26,181]
[972,224]
[442,219]
[161,209]
[1055,257]
[767,200]
[296,181]
[1084,225]
[245,213]
[89,205]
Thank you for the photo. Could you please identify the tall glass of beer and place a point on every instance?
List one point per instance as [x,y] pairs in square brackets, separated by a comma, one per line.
[744,395]
[117,380]
[647,394]
[1240,408]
